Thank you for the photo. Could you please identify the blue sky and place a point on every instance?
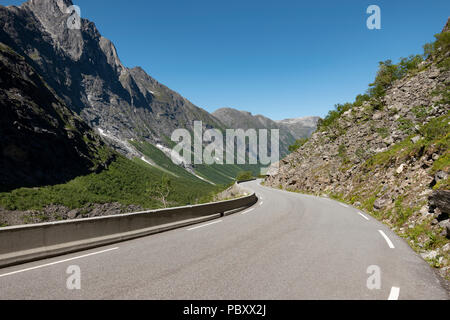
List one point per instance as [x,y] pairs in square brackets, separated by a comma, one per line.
[282,59]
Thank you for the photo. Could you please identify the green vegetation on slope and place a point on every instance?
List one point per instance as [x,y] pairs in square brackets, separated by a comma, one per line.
[435,140]
[125,181]
[244,175]
[161,160]
[298,144]
[216,173]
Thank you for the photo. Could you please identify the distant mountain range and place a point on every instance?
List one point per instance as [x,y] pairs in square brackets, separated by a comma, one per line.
[290,129]
[127,107]
[300,127]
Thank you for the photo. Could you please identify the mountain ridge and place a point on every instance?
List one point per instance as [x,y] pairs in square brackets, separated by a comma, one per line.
[289,133]
[120,103]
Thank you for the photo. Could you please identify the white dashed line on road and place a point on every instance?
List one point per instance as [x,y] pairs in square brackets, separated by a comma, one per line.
[389,242]
[395,292]
[204,225]
[261,203]
[248,211]
[57,262]
[363,216]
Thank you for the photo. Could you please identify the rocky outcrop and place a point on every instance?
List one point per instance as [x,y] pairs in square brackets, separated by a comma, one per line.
[440,199]
[42,141]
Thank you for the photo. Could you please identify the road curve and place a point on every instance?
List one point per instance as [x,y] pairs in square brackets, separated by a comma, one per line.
[287,246]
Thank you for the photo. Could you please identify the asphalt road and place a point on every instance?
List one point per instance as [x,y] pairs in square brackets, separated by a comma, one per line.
[287,246]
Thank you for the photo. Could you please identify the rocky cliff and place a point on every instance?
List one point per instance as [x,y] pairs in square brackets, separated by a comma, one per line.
[42,141]
[388,152]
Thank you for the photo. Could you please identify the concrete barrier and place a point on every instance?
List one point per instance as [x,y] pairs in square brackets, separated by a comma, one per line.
[248,180]
[27,243]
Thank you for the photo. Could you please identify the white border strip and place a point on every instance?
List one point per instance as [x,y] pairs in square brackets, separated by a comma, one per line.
[204,225]
[57,262]
[363,216]
[248,211]
[389,242]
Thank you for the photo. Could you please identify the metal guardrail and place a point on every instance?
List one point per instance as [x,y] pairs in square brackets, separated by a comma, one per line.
[20,244]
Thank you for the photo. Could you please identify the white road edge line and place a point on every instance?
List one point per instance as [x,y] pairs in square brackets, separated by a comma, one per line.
[57,262]
[344,205]
[389,242]
[248,211]
[395,292]
[363,216]
[204,225]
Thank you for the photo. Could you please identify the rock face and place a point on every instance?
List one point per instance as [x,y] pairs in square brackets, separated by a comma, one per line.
[387,156]
[42,141]
[290,130]
[84,69]
[441,200]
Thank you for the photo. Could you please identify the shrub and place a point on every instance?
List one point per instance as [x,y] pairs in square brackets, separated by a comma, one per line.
[409,64]
[405,125]
[298,144]
[244,175]
[439,47]
[333,115]
[360,99]
[386,75]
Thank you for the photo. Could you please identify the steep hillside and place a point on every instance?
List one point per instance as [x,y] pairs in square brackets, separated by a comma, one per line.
[63,167]
[388,152]
[42,141]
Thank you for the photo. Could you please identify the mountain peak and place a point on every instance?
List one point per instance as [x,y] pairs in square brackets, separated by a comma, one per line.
[57,7]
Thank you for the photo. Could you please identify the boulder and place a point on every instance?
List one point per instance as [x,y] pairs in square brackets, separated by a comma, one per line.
[415,139]
[440,175]
[440,199]
[73,214]
[401,168]
[378,204]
